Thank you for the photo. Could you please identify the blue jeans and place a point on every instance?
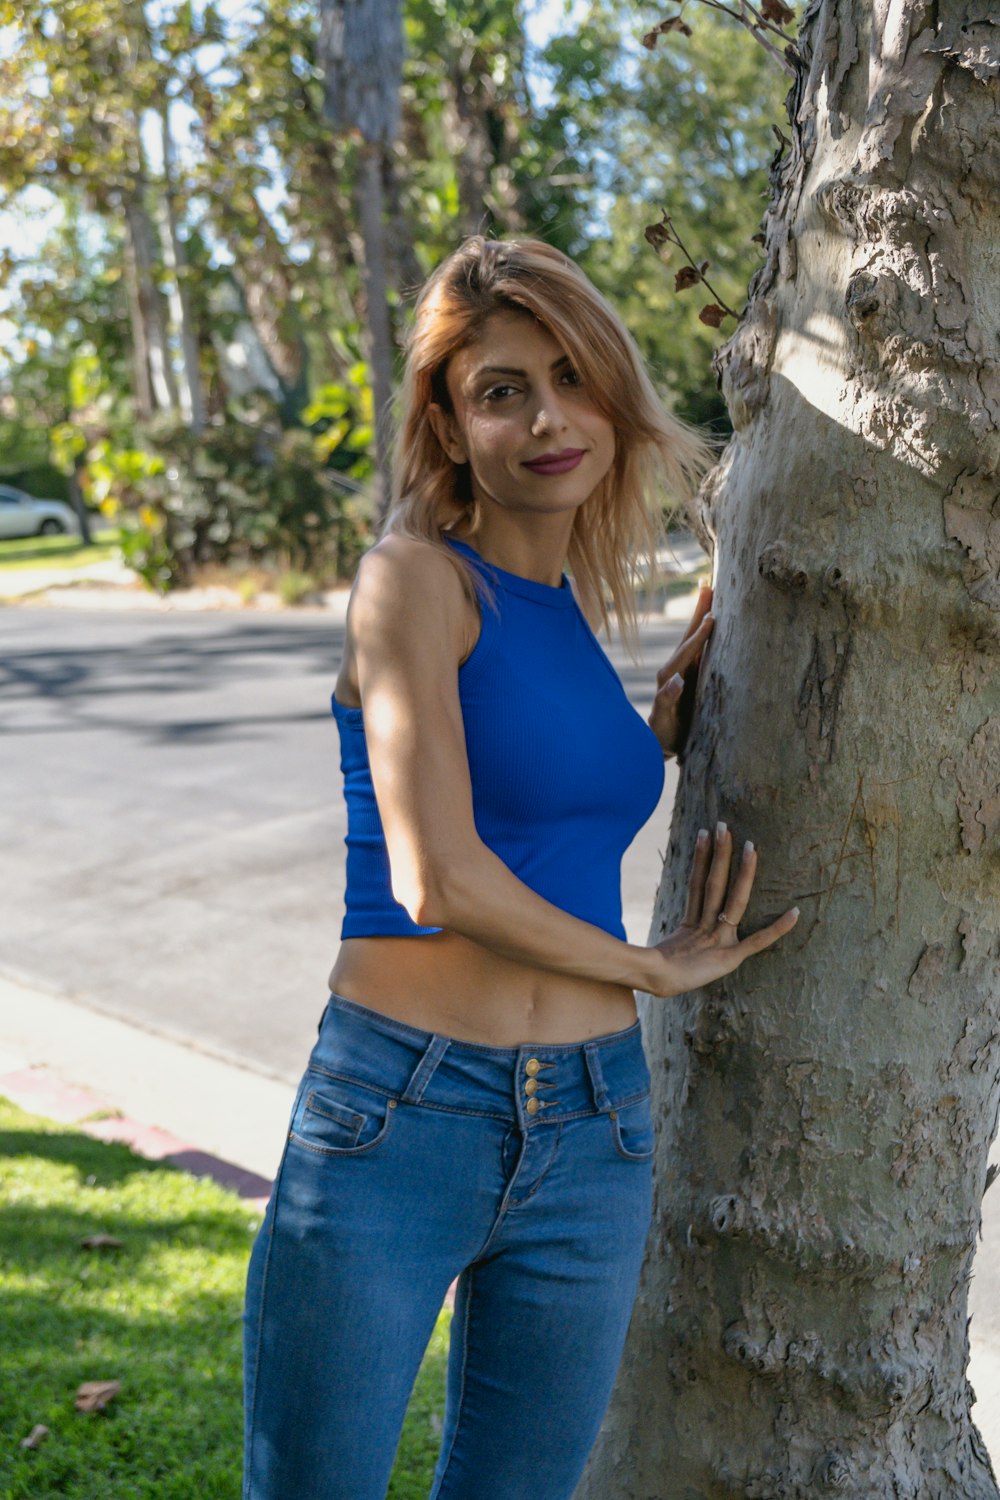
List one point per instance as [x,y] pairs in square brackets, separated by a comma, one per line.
[413,1159]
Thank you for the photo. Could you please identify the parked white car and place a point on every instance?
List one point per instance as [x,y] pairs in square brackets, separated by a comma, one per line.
[22,515]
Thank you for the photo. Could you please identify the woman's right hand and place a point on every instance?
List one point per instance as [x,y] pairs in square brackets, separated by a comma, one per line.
[706,945]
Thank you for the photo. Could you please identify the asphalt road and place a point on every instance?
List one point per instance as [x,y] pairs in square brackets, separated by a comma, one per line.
[171,834]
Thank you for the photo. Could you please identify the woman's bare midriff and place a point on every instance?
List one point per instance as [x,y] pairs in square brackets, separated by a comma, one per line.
[446,983]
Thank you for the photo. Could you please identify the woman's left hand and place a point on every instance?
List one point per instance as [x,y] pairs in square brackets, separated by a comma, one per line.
[666,719]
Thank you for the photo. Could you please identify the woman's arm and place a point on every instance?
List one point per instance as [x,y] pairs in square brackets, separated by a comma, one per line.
[408,627]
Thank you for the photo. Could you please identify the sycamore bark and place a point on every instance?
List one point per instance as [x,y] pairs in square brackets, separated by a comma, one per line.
[825,1114]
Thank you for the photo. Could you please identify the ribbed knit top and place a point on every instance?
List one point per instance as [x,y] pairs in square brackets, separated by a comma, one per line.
[564,770]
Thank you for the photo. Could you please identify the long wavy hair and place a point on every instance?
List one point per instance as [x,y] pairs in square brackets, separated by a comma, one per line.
[618,529]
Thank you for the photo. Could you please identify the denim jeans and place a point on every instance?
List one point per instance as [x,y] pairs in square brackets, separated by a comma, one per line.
[412,1159]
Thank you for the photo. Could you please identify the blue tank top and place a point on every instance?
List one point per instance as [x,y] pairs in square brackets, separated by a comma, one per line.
[564,770]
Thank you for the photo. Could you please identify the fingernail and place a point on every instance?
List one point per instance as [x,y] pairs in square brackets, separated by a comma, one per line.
[676,683]
[720,830]
[748,847]
[702,836]
[795,911]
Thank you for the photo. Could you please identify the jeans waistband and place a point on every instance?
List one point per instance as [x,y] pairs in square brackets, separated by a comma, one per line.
[531,1084]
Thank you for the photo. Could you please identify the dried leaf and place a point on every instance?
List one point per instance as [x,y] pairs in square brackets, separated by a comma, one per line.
[94,1395]
[774,10]
[101,1242]
[672,23]
[658,235]
[686,276]
[36,1436]
[713,315]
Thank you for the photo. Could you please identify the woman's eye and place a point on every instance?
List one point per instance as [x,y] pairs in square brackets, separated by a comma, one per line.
[496,392]
[572,377]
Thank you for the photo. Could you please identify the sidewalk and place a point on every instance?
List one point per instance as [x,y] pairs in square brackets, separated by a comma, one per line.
[66,1061]
[113,585]
[60,1059]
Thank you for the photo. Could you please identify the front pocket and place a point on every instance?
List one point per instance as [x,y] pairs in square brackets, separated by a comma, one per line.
[342,1118]
[632,1129]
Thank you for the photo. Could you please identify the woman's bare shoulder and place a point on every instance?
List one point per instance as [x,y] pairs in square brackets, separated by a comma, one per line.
[406,583]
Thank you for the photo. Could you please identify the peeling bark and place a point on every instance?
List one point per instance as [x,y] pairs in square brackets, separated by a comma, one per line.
[824,1114]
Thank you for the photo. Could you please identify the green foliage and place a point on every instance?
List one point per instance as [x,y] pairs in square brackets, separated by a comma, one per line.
[161,1315]
[294,587]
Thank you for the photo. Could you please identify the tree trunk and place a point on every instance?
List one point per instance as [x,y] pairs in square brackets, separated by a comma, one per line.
[824,1115]
[191,396]
[149,299]
[142,390]
[77,502]
[377,316]
[361,49]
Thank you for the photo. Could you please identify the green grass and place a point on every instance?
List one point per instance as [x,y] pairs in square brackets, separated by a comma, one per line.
[64,551]
[161,1315]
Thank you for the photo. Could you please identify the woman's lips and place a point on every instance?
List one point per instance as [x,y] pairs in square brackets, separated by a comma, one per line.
[556,465]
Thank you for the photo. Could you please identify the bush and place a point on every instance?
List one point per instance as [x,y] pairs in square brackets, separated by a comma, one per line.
[235,493]
[293,587]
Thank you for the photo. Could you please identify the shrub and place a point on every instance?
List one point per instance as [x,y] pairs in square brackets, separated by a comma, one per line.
[235,493]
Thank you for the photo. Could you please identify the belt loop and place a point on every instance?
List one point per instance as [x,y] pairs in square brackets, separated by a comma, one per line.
[424,1071]
[601,1096]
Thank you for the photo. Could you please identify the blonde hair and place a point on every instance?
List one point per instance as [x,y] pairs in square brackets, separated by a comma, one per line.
[617,527]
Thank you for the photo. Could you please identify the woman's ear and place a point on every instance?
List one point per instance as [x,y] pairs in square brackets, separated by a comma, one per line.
[447,433]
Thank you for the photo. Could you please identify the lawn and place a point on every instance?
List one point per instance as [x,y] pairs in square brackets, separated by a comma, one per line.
[65,551]
[160,1314]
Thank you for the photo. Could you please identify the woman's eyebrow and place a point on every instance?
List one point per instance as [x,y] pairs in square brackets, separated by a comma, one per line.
[563,359]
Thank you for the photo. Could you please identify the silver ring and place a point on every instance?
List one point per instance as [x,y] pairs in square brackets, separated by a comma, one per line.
[723,918]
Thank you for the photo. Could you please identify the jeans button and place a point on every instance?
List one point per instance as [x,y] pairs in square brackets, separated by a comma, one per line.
[532,1066]
[533,1106]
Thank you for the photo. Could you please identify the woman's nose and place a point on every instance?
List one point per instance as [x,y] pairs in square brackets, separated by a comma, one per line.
[549,417]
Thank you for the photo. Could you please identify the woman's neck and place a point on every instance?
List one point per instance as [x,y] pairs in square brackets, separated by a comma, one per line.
[537,552]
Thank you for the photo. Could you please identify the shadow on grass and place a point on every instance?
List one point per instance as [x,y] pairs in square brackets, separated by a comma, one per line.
[162,1315]
[110,1163]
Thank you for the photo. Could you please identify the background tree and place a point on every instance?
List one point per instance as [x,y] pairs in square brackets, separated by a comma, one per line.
[825,1114]
[361,47]
[688,128]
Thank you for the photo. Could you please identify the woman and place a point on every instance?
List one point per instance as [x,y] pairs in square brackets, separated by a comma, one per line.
[477,1103]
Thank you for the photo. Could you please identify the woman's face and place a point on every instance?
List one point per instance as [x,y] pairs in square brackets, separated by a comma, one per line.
[517,399]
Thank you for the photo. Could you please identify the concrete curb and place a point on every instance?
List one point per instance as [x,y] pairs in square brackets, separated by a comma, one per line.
[39,1091]
[169,1101]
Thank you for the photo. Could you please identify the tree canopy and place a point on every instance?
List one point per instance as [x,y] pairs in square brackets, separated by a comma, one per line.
[199,302]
